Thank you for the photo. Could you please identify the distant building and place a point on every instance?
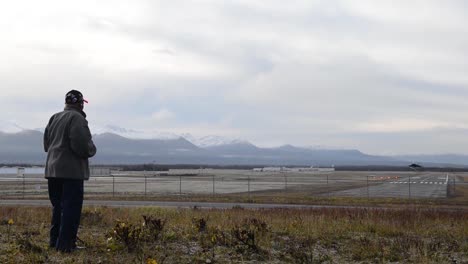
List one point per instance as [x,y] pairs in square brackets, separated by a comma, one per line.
[326,169]
[272,169]
[299,169]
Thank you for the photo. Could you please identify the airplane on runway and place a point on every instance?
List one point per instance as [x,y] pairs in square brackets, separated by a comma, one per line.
[416,167]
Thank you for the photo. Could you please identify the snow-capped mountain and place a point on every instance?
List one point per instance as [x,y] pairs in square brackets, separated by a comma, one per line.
[322,147]
[26,146]
[11,127]
[203,142]
[121,145]
[132,133]
[212,141]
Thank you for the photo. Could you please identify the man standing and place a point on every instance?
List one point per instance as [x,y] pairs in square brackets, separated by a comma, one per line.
[68,143]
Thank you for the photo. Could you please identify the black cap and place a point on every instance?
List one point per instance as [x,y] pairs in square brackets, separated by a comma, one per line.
[74,97]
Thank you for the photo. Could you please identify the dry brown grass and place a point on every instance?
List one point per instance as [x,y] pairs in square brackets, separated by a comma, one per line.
[239,235]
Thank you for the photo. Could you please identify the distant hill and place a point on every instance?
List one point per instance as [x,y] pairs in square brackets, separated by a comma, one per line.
[113,148]
[26,147]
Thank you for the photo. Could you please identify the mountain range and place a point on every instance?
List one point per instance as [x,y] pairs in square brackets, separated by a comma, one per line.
[26,147]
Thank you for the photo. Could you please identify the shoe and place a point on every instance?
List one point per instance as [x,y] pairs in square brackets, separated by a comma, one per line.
[79,248]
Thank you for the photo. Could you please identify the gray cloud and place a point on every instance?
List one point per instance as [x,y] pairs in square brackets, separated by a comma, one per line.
[384,78]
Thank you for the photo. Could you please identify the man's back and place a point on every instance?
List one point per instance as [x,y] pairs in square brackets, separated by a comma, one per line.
[69,144]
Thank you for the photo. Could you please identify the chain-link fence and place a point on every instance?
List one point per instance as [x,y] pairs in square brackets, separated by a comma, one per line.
[248,184]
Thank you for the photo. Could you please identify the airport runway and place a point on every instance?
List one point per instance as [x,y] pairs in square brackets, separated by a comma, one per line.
[354,184]
[424,185]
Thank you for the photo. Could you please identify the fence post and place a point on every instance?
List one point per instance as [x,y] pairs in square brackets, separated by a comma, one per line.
[368,196]
[285,182]
[213,185]
[328,188]
[454,185]
[24,187]
[145,185]
[113,185]
[180,185]
[409,186]
[248,185]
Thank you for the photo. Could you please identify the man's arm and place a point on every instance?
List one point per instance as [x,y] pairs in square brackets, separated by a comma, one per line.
[46,136]
[81,141]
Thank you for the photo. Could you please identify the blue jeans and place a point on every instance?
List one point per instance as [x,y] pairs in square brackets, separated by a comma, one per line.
[66,196]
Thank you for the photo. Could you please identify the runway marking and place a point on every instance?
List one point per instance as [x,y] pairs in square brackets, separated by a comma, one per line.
[422,182]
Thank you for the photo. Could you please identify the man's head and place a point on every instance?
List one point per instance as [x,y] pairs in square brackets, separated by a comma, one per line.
[75,97]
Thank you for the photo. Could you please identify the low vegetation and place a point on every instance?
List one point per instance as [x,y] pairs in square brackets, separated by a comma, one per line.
[157,235]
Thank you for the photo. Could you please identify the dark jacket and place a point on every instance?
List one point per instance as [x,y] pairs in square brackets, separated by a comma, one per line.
[68,143]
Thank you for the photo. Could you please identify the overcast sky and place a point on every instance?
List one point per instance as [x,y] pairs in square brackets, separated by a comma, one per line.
[384,77]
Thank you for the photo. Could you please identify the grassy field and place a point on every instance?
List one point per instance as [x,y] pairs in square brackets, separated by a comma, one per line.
[414,230]
[156,235]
